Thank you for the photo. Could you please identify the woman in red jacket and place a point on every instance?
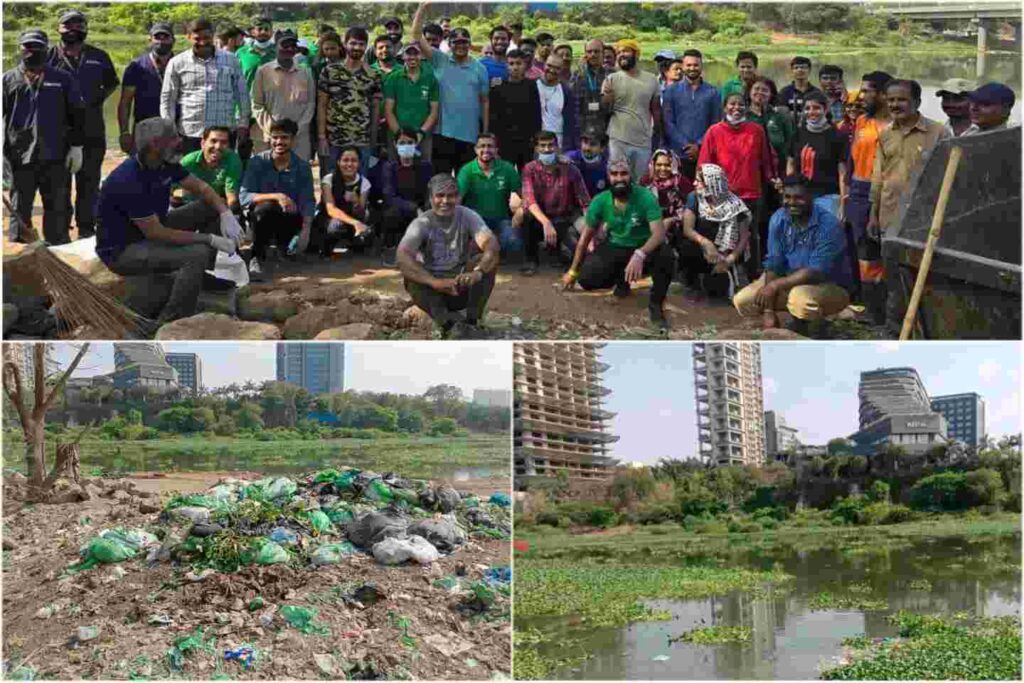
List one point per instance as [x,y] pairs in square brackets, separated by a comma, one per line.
[740,147]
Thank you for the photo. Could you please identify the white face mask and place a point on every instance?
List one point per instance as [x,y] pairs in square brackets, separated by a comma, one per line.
[734,119]
[263,44]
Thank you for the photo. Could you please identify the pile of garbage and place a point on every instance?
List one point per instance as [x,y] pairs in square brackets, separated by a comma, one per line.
[316,520]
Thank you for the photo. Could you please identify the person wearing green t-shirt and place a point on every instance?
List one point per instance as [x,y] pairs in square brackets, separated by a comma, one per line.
[259,51]
[491,186]
[411,96]
[634,245]
[217,165]
[746,66]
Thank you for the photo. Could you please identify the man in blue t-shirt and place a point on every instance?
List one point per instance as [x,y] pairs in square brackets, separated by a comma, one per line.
[807,269]
[143,79]
[137,234]
[592,160]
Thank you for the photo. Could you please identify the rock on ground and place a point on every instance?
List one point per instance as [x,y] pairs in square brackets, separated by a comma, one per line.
[350,331]
[216,326]
[313,321]
[274,306]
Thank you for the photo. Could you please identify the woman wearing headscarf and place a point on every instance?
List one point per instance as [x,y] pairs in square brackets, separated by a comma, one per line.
[716,228]
[671,188]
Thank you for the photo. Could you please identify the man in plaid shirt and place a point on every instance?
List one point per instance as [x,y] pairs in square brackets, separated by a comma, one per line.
[208,86]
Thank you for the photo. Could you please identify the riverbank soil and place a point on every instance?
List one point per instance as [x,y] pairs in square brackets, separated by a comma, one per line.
[123,620]
[305,298]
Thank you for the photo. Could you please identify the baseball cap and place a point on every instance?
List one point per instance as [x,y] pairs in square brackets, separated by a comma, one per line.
[390,20]
[72,16]
[458,34]
[409,46]
[956,86]
[992,93]
[261,20]
[33,36]
[665,54]
[161,27]
[285,34]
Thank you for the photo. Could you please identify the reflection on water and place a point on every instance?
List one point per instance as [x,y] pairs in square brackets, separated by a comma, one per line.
[790,641]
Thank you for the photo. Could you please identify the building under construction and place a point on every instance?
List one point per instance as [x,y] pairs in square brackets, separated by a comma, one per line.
[560,425]
[730,403]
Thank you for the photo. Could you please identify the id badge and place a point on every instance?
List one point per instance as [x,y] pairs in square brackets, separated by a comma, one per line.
[594,106]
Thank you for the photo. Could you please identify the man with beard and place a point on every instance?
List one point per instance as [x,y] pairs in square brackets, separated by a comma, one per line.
[746,67]
[632,96]
[283,90]
[806,270]
[436,258]
[496,65]
[94,74]
[955,105]
[866,130]
[635,244]
[557,106]
[411,101]
[464,96]
[690,107]
[143,79]
[348,102]
[205,87]
[259,50]
[393,33]
[277,191]
[217,165]
[137,235]
[586,85]
[42,138]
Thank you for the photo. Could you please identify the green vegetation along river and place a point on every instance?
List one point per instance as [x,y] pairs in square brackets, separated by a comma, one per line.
[472,456]
[664,604]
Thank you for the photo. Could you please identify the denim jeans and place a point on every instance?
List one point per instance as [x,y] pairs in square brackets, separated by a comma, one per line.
[510,238]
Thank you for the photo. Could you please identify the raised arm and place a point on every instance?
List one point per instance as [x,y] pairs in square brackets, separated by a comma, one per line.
[418,20]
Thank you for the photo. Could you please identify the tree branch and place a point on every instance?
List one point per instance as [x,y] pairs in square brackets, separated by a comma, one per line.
[14,390]
[63,380]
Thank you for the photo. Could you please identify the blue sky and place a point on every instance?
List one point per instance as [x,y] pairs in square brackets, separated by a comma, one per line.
[813,385]
[404,368]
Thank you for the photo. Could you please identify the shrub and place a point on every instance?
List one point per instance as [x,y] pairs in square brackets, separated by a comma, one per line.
[938,492]
[878,492]
[602,516]
[443,425]
[984,487]
[899,514]
[873,514]
[691,522]
[847,510]
[656,514]
[716,526]
[549,518]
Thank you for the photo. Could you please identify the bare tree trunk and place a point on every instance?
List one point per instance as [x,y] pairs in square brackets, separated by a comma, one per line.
[35,449]
[67,465]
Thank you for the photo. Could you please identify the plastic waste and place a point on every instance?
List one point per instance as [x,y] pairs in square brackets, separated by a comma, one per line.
[345,479]
[393,551]
[245,655]
[272,553]
[282,487]
[223,492]
[374,527]
[447,498]
[379,491]
[364,595]
[86,633]
[501,499]
[325,476]
[256,603]
[660,658]
[498,575]
[340,515]
[443,533]
[331,553]
[112,546]
[197,515]
[471,502]
[283,536]
[303,619]
[320,522]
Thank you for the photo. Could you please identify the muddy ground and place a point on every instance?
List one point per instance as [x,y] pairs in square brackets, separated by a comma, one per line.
[43,610]
[521,307]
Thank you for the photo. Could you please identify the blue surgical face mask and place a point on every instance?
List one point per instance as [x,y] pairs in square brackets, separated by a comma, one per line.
[548,158]
[406,151]
[591,159]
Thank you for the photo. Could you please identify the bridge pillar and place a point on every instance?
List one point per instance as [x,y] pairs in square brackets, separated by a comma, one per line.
[981,63]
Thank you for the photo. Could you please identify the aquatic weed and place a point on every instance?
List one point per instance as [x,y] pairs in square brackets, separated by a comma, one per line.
[714,635]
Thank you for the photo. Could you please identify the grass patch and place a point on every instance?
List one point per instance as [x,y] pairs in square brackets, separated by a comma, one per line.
[715,635]
[600,595]
[930,647]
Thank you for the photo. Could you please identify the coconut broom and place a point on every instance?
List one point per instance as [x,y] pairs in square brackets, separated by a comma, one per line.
[80,306]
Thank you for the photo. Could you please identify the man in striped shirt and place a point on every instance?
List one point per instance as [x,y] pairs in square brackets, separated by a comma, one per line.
[208,86]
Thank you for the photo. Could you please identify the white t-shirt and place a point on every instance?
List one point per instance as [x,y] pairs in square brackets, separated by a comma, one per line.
[552,102]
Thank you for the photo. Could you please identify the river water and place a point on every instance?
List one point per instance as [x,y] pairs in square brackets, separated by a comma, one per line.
[928,69]
[790,640]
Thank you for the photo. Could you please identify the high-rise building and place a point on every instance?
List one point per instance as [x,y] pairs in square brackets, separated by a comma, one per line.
[501,398]
[317,367]
[189,367]
[965,416]
[730,402]
[142,364]
[895,410]
[778,436]
[560,424]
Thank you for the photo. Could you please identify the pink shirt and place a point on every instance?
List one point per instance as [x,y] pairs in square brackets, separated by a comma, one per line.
[555,190]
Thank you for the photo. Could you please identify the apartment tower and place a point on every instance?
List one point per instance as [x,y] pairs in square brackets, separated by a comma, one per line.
[730,403]
[317,367]
[560,425]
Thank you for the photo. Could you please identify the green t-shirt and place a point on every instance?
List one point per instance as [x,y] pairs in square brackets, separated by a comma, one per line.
[226,177]
[780,129]
[412,98]
[631,226]
[489,196]
[251,61]
[733,85]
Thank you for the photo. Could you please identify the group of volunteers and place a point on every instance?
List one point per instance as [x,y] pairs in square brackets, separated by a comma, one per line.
[446,164]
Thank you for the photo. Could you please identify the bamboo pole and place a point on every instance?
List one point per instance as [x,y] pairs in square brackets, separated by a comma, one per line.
[933,239]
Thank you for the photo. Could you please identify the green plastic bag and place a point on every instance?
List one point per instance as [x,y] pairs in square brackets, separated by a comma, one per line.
[320,522]
[303,619]
[272,553]
[113,546]
[325,476]
[407,495]
[331,553]
[379,491]
[282,487]
[340,515]
[344,481]
[471,502]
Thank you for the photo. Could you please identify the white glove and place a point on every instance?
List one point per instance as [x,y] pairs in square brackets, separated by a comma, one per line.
[224,244]
[73,161]
[229,226]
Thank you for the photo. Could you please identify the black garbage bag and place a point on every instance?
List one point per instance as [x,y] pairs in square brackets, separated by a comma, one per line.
[448,498]
[478,517]
[374,527]
[444,534]
[428,499]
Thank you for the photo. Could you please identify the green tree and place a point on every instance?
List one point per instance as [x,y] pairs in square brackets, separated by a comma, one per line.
[839,446]
[937,492]
[878,492]
[984,487]
[632,486]
[177,419]
[410,421]
[443,425]
[134,417]
[249,416]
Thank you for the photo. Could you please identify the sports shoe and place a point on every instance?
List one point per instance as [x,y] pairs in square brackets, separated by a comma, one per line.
[255,269]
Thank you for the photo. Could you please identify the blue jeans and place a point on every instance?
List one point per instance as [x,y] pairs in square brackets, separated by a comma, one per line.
[510,238]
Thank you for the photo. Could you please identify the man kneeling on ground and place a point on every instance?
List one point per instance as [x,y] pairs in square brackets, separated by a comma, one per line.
[448,278]
[137,234]
[634,247]
[807,270]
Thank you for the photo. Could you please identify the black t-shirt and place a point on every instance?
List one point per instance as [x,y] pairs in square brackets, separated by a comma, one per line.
[517,111]
[794,99]
[817,157]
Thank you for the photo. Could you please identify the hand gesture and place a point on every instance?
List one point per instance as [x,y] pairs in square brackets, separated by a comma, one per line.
[550,236]
[446,286]
[568,280]
[635,267]
[286,202]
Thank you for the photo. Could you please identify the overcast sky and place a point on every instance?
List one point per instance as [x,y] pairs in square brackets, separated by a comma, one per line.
[397,367]
[813,385]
